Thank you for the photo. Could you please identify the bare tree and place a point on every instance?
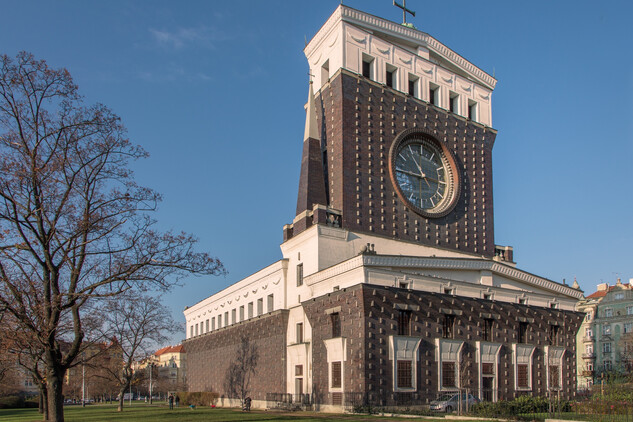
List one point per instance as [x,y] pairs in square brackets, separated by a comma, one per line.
[138,324]
[237,381]
[74,225]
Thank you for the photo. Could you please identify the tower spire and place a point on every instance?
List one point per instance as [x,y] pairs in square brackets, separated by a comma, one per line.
[312,179]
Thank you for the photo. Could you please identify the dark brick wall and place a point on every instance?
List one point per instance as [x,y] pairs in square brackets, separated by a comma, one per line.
[368,318]
[209,355]
[360,120]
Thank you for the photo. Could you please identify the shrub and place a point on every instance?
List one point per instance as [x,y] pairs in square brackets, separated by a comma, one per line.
[198,398]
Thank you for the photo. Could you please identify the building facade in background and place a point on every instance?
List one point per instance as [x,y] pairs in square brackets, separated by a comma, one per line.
[605,339]
[391,288]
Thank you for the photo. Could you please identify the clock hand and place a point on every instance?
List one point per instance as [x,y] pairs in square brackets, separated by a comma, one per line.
[416,163]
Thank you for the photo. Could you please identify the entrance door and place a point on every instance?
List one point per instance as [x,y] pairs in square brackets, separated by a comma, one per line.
[487,385]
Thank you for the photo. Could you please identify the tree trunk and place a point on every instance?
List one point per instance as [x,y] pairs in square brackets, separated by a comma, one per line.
[122,391]
[55,397]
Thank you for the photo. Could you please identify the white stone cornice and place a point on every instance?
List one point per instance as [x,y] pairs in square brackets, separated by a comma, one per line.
[392,29]
[442,263]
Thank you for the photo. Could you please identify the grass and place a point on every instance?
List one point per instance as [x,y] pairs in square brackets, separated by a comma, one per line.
[145,413]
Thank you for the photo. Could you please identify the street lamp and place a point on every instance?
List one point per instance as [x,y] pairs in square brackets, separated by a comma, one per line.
[83,380]
[150,382]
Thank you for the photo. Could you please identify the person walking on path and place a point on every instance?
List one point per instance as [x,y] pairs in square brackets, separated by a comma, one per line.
[171,402]
[177,400]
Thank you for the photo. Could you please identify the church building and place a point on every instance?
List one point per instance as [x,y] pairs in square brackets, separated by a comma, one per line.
[390,288]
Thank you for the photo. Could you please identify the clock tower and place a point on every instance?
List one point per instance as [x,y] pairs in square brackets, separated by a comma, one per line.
[405,131]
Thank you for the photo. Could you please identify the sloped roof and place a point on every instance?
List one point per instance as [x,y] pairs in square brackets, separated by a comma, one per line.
[170,349]
[602,293]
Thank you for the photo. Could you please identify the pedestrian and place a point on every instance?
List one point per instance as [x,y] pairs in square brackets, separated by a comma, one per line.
[247,404]
[177,399]
[171,402]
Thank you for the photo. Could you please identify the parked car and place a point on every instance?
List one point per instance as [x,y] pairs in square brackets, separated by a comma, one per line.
[449,402]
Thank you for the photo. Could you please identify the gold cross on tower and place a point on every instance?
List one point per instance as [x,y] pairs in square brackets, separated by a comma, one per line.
[403,6]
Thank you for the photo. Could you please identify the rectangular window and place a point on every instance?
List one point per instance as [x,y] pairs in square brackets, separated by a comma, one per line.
[522,376]
[325,72]
[404,323]
[260,306]
[414,82]
[606,330]
[448,326]
[434,94]
[629,310]
[522,334]
[226,319]
[242,313]
[390,77]
[627,327]
[553,335]
[298,370]
[522,301]
[554,375]
[404,370]
[271,303]
[487,334]
[213,323]
[368,65]
[250,309]
[191,331]
[207,330]
[196,329]
[606,347]
[220,321]
[448,374]
[588,333]
[233,316]
[472,110]
[453,103]
[607,365]
[336,324]
[487,368]
[619,296]
[589,349]
[299,274]
[299,332]
[608,313]
[336,375]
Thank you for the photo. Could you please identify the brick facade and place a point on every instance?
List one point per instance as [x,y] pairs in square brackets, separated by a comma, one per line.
[210,355]
[368,318]
[360,120]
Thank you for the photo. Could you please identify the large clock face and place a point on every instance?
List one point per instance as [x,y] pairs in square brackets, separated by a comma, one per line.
[424,174]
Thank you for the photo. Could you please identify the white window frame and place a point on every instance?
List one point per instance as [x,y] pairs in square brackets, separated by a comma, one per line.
[404,348]
[519,351]
[608,313]
[488,348]
[452,356]
[550,359]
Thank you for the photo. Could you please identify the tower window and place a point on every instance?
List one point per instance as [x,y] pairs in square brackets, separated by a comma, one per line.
[390,77]
[250,309]
[434,94]
[413,85]
[453,103]
[325,72]
[554,331]
[336,378]
[404,373]
[299,275]
[472,110]
[242,313]
[271,303]
[404,323]
[260,306]
[368,64]
[233,316]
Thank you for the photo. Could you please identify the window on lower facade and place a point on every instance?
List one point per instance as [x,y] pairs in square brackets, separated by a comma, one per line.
[487,330]
[522,333]
[434,94]
[554,376]
[448,328]
[300,332]
[472,110]
[298,370]
[233,316]
[191,331]
[336,324]
[390,77]
[260,306]
[413,85]
[404,374]
[336,375]
[523,380]
[213,323]
[453,104]
[606,348]
[404,323]
[271,303]
[607,365]
[242,313]
[207,330]
[196,329]
[250,310]
[449,375]
[368,64]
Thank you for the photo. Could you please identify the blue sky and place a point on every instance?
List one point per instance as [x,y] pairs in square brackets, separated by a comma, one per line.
[215,90]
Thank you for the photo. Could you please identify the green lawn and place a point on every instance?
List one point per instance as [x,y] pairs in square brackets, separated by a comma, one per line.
[147,413]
